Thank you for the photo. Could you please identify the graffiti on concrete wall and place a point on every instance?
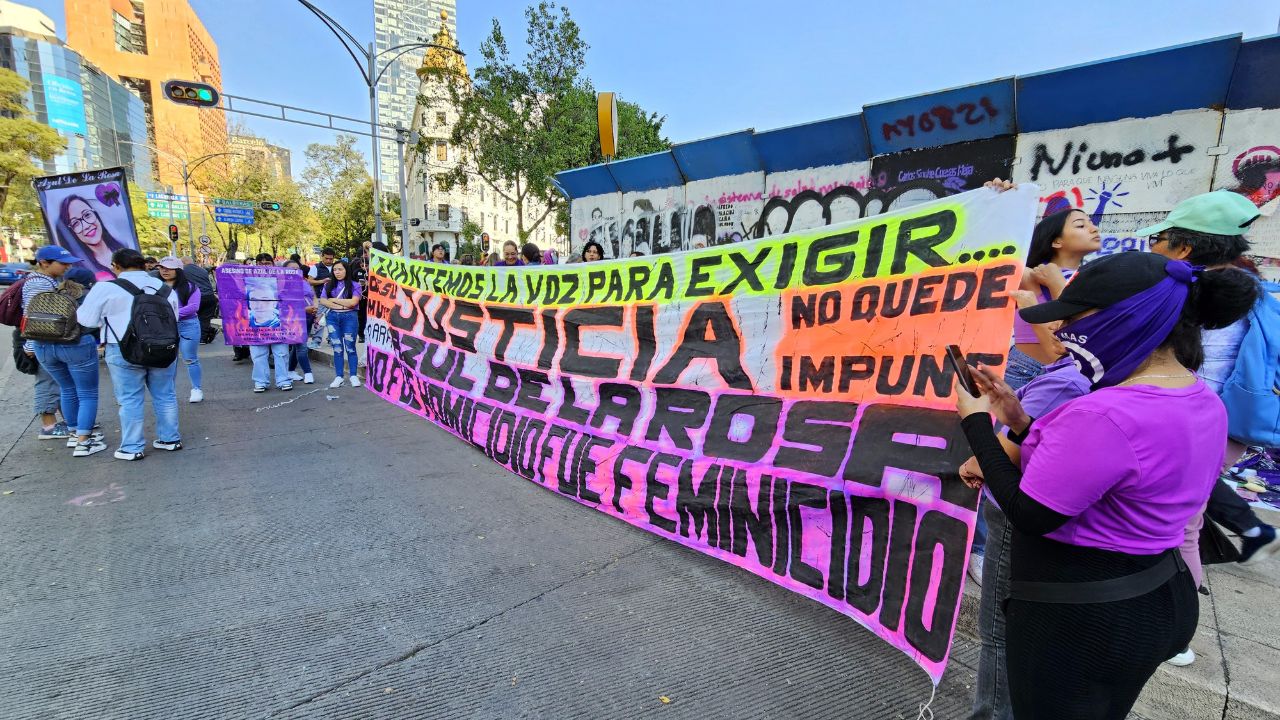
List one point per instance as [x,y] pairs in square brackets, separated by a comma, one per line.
[948,169]
[1126,174]
[1251,167]
[811,209]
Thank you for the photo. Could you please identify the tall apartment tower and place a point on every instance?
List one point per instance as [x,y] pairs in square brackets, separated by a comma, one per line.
[396,22]
[143,43]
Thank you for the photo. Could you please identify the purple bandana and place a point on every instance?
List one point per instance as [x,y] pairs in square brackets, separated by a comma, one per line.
[1110,344]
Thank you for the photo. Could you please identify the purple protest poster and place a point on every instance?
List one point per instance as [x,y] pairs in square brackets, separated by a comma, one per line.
[262,304]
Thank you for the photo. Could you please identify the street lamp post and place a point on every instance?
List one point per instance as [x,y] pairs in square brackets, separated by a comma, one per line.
[188,167]
[371,74]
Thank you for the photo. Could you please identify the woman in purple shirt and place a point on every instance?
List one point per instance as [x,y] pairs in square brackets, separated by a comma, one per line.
[170,269]
[341,295]
[1098,594]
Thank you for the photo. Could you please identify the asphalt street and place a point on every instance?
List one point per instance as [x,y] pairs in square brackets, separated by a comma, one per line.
[321,554]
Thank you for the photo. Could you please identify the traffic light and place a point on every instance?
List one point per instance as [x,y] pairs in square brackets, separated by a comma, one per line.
[173,233]
[270,206]
[484,239]
[191,93]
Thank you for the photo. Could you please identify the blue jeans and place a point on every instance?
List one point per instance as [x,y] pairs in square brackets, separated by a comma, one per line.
[342,337]
[75,368]
[47,393]
[1021,369]
[189,347]
[991,698]
[300,356]
[262,370]
[129,381]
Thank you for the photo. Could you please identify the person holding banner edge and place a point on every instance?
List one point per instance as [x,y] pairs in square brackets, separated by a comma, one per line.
[1108,483]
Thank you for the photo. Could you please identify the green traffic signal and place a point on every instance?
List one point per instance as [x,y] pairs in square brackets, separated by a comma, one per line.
[191,93]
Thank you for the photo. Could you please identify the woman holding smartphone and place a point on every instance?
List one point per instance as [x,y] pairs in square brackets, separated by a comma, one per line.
[1099,596]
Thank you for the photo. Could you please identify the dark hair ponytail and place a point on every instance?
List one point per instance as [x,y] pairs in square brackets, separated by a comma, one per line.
[1217,299]
[1047,230]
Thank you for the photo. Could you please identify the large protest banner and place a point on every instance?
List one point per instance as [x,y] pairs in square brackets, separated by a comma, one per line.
[262,304]
[781,404]
[89,214]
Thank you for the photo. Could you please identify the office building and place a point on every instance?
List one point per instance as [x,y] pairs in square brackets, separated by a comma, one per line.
[396,22]
[275,158]
[99,117]
[143,43]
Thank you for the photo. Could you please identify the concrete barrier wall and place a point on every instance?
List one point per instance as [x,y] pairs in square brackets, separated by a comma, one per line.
[1123,139]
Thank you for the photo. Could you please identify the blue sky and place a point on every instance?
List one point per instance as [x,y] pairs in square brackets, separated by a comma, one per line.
[716,67]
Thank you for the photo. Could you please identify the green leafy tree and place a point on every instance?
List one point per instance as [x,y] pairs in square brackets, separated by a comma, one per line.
[23,141]
[340,189]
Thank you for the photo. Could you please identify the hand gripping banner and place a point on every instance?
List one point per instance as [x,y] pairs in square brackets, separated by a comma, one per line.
[781,404]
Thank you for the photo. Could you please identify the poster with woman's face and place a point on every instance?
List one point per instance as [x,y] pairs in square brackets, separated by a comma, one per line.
[89,214]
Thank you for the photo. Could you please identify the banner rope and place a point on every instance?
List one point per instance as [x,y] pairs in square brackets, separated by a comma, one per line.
[926,712]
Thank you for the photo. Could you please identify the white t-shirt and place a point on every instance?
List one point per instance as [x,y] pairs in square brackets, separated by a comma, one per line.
[108,304]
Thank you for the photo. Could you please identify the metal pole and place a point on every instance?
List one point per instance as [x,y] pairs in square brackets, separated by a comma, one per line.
[173,246]
[203,231]
[377,162]
[401,136]
[186,190]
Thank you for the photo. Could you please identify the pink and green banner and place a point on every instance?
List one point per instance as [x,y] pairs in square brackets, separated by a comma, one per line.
[782,405]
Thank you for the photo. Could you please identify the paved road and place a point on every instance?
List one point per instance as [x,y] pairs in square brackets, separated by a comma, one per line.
[335,557]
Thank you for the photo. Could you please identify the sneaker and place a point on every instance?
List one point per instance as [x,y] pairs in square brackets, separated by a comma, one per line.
[259,388]
[122,455]
[85,449]
[1254,549]
[975,569]
[1182,659]
[355,381]
[337,383]
[286,387]
[308,378]
[197,395]
[169,445]
[293,375]
[59,431]
[74,439]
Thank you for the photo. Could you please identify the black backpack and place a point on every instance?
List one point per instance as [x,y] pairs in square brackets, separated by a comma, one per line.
[151,340]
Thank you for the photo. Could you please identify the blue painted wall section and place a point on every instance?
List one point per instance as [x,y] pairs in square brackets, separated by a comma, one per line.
[974,112]
[1256,80]
[826,142]
[1211,73]
[723,155]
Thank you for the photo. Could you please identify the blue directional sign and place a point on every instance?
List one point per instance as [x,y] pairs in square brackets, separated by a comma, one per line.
[234,215]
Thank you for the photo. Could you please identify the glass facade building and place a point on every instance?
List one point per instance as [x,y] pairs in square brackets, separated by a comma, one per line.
[97,115]
[396,22]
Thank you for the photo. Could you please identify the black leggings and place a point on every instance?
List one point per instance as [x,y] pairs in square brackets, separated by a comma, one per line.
[1089,662]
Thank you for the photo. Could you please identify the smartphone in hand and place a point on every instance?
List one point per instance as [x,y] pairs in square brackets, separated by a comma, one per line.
[956,359]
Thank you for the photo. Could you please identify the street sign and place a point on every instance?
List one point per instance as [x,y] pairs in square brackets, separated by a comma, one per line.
[225,202]
[233,215]
[205,250]
[163,208]
[166,196]
[204,240]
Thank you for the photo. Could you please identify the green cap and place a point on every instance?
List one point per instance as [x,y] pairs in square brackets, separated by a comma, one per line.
[1220,212]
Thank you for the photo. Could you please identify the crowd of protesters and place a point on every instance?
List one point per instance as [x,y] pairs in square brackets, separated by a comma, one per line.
[1104,455]
[1103,449]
